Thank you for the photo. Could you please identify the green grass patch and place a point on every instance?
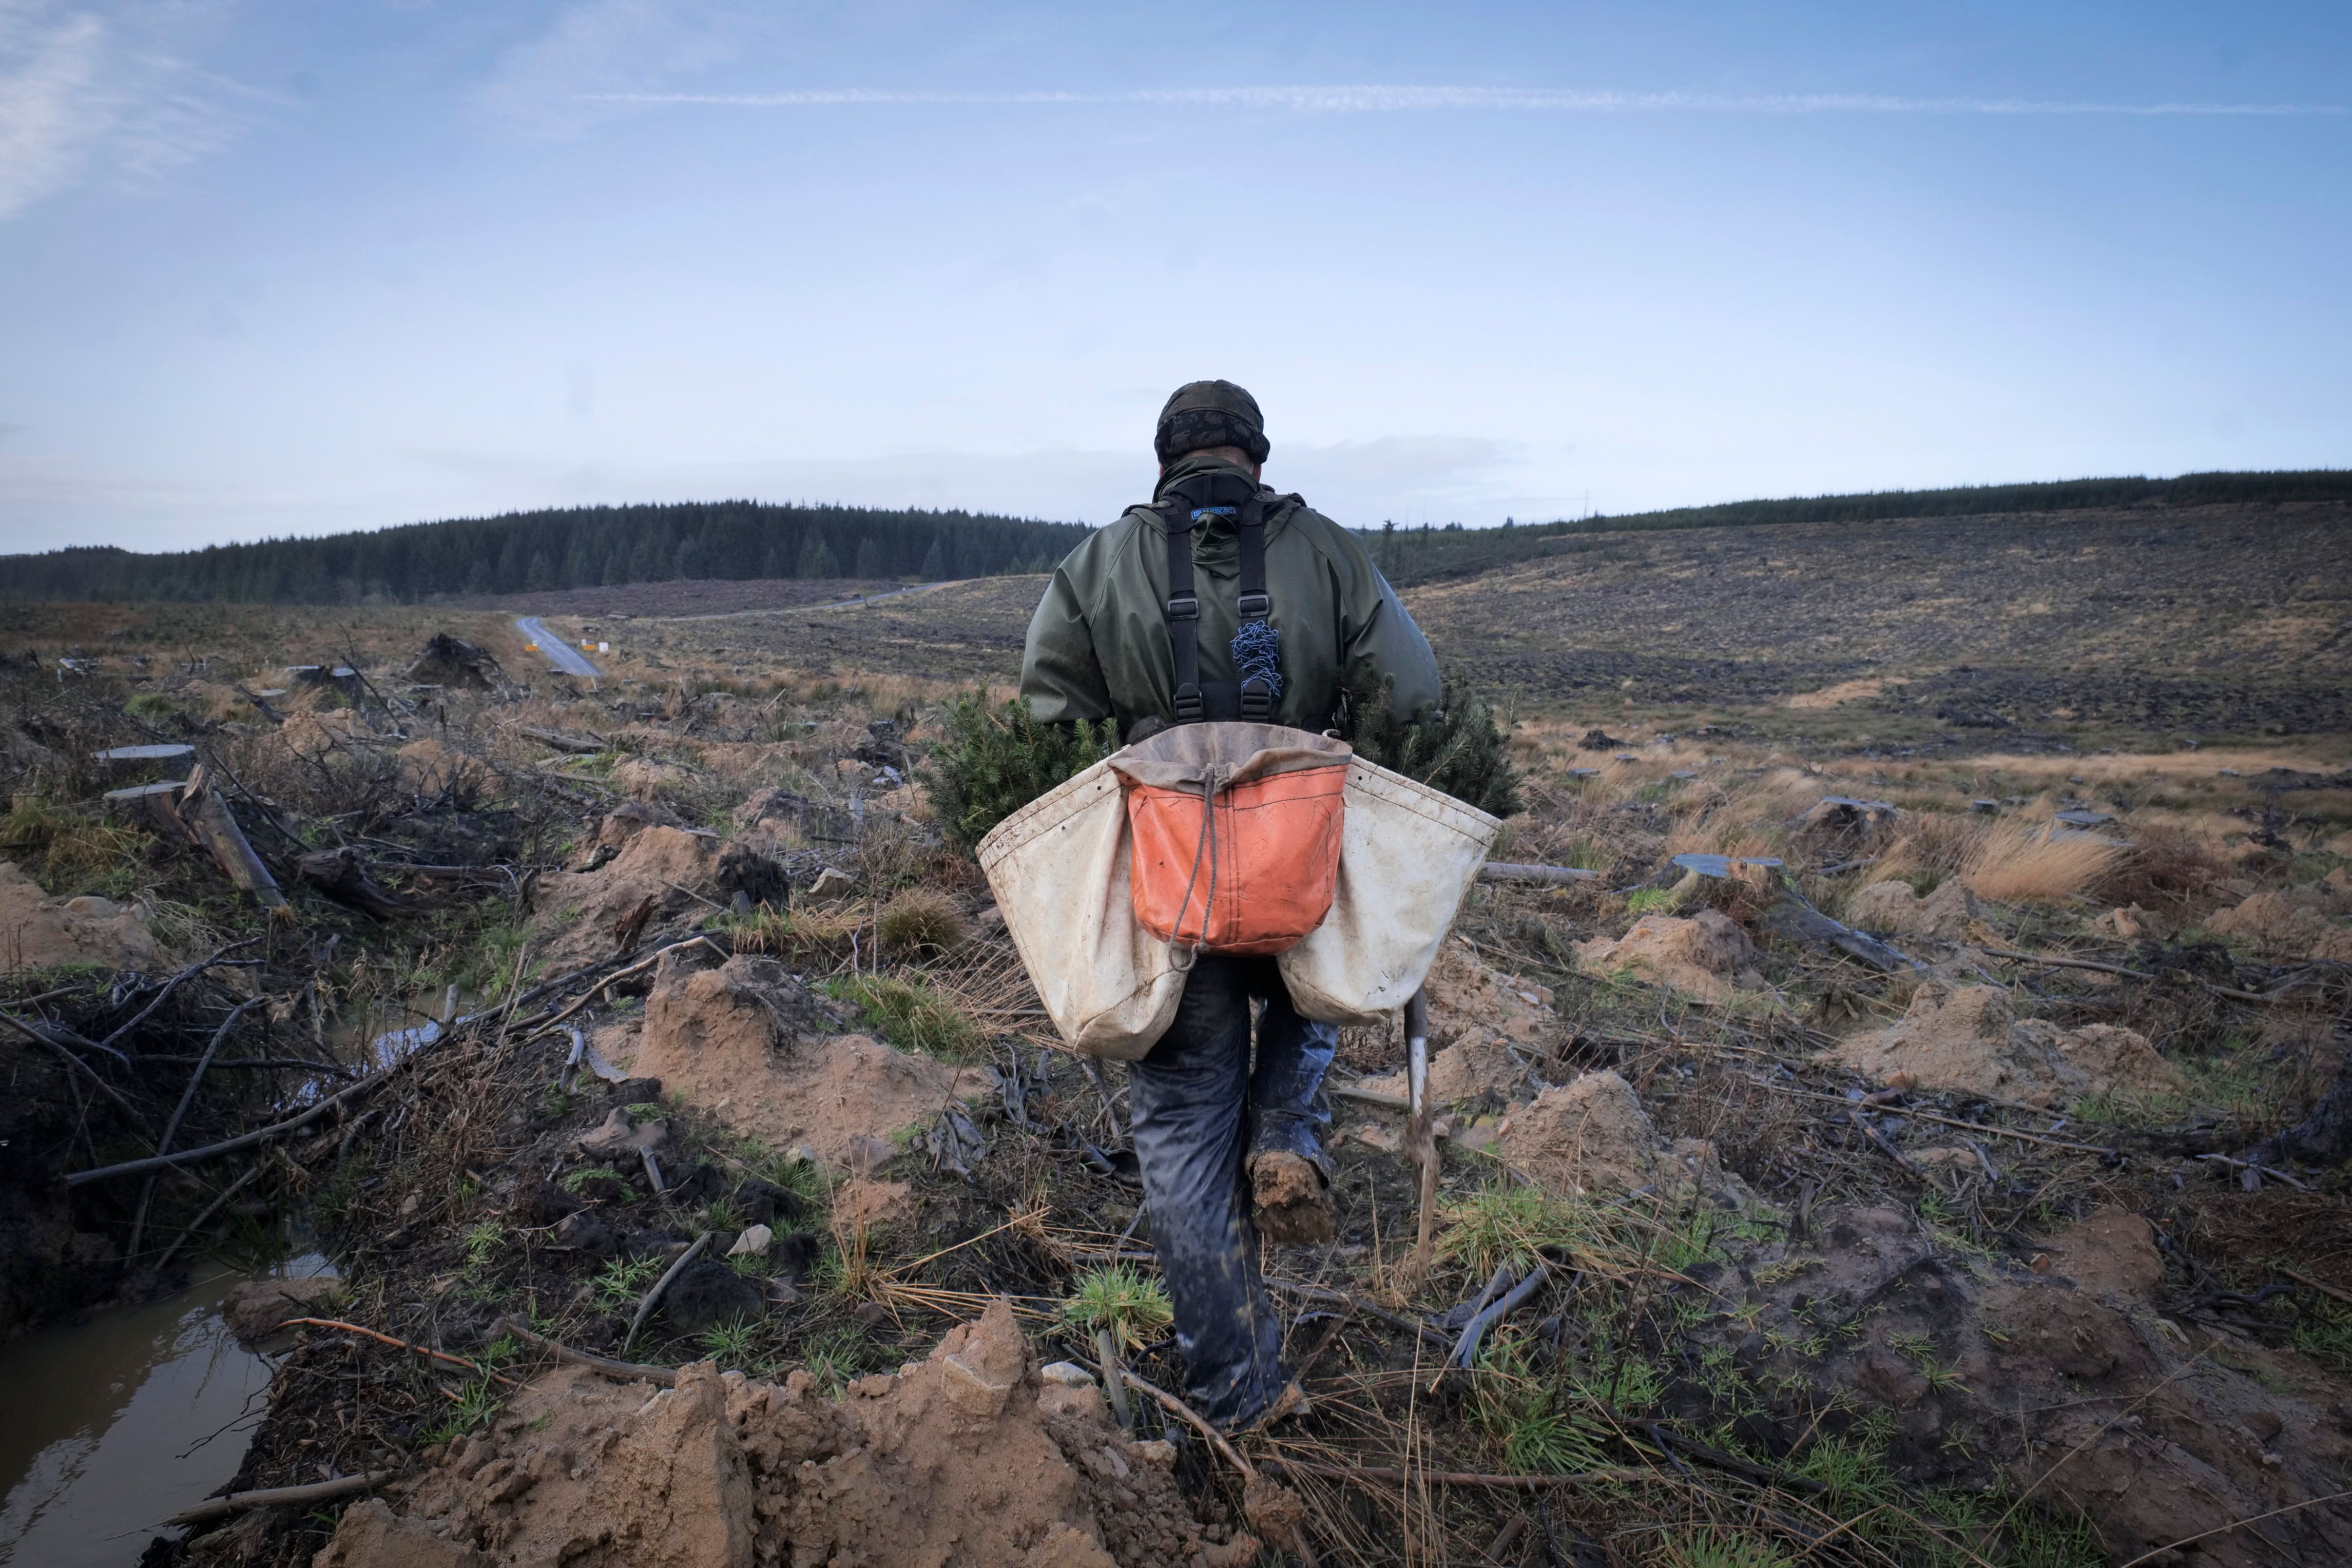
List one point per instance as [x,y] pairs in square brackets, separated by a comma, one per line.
[911,1014]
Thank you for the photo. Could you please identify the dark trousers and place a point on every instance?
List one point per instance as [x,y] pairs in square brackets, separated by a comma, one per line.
[1200,1107]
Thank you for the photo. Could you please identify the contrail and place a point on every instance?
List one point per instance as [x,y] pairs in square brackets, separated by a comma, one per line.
[1373,100]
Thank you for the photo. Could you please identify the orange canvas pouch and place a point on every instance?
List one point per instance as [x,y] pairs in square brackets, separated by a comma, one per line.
[1236,833]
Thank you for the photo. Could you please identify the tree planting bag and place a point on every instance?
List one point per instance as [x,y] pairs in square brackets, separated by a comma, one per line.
[1407,855]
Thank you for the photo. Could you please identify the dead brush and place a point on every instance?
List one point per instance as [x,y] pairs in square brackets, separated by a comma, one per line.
[920,920]
[2168,870]
[2018,863]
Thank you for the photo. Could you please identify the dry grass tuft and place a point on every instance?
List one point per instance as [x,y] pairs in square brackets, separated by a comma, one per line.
[1932,845]
[64,844]
[2014,863]
[920,920]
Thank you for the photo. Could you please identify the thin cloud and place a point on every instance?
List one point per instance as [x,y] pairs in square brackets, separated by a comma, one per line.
[1377,100]
[79,92]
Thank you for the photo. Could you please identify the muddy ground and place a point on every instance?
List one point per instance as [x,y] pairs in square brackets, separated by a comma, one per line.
[1810,1257]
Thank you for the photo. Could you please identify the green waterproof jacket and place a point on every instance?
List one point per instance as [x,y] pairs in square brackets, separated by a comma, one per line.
[1098,642]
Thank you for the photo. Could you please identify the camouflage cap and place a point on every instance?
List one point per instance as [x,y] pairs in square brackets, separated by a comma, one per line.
[1210,413]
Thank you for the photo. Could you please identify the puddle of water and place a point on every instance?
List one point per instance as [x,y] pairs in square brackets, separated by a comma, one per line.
[116,1423]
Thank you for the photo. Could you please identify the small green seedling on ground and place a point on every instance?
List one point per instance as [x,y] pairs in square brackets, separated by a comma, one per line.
[624,1279]
[1136,1310]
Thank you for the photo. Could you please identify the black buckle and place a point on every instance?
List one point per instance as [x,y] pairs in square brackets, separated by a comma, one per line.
[1184,607]
[1254,606]
[1188,705]
[1257,699]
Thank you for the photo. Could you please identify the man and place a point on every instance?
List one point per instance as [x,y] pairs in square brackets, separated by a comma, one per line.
[1102,644]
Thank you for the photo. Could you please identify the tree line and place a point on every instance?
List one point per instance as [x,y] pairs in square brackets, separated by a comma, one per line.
[582,547]
[1423,554]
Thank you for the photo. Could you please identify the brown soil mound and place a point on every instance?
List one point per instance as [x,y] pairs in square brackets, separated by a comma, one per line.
[1892,907]
[2157,1430]
[584,911]
[953,1459]
[2110,1252]
[37,932]
[645,779]
[1968,1040]
[1593,1137]
[1467,998]
[749,1044]
[1699,957]
[1475,1015]
[2297,925]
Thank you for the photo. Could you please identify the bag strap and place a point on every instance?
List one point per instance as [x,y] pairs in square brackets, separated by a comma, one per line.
[1183,613]
[1181,510]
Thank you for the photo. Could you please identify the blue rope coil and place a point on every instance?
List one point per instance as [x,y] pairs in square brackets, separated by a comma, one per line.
[1258,654]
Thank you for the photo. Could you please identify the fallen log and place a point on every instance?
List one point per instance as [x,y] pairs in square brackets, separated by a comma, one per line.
[654,1296]
[281,1497]
[381,1338]
[631,1371]
[1513,871]
[208,815]
[576,745]
[1389,1476]
[343,876]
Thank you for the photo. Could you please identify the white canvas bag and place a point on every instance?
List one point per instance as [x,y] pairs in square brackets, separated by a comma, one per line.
[1059,869]
[1407,854]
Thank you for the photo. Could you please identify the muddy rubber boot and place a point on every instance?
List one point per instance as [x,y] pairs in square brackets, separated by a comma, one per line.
[1294,1201]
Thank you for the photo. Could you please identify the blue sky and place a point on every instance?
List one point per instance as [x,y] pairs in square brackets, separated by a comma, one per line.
[270,268]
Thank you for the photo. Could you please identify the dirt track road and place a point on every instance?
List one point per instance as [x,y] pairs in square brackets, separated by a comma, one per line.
[559,652]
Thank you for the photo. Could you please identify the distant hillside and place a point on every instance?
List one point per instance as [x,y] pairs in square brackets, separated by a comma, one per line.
[1421,555]
[585,546]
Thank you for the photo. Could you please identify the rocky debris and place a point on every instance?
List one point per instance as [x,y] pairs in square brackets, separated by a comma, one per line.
[1893,908]
[832,883]
[2110,1253]
[1591,1137]
[1707,955]
[751,1044]
[254,1308]
[37,932]
[586,914]
[1967,1039]
[954,1458]
[449,662]
[2300,923]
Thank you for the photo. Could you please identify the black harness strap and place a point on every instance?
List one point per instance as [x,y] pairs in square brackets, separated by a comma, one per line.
[1180,512]
[1183,615]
